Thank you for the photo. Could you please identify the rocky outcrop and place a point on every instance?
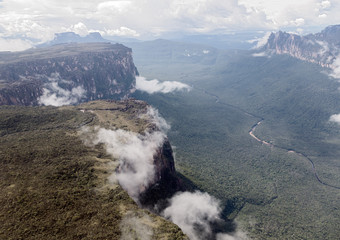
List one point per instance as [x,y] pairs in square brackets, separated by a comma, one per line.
[320,48]
[166,182]
[96,70]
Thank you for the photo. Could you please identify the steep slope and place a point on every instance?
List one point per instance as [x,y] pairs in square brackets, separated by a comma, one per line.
[55,186]
[66,74]
[321,48]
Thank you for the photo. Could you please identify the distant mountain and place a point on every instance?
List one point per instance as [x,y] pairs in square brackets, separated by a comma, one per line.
[163,51]
[321,48]
[71,37]
[238,40]
[67,74]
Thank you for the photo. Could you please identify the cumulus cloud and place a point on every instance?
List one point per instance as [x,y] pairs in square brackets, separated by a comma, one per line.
[335,118]
[55,95]
[155,86]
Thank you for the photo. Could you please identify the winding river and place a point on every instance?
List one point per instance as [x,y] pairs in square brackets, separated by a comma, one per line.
[252,134]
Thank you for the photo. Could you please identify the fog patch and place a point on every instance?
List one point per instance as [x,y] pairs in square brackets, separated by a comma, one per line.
[55,95]
[155,86]
[133,227]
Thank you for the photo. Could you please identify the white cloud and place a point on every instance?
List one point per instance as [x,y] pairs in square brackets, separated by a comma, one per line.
[298,22]
[134,151]
[260,54]
[154,86]
[335,66]
[153,115]
[14,44]
[122,31]
[79,28]
[260,42]
[325,4]
[54,95]
[114,6]
[193,213]
[41,19]
[335,118]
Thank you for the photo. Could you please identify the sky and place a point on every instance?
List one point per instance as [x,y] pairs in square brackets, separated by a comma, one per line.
[25,21]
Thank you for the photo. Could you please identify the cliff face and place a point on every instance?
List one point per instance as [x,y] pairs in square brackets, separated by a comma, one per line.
[56,187]
[133,116]
[166,182]
[321,48]
[82,72]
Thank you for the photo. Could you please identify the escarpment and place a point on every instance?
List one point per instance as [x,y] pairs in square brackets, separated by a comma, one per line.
[135,116]
[87,70]
[321,48]
[56,183]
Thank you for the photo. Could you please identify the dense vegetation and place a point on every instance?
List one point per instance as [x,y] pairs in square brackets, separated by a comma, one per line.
[53,187]
[270,192]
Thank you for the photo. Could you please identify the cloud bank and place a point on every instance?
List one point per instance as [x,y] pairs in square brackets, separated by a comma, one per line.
[54,95]
[155,86]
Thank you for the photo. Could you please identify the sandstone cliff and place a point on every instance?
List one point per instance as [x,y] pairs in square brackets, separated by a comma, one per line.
[320,48]
[70,73]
